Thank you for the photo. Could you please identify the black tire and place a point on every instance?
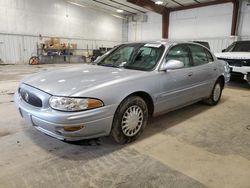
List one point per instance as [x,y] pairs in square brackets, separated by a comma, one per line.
[248,78]
[215,96]
[135,104]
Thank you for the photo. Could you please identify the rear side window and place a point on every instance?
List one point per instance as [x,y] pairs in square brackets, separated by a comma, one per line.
[180,53]
[198,55]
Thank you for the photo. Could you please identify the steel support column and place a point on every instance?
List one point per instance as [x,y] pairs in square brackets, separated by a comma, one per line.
[165,24]
[234,17]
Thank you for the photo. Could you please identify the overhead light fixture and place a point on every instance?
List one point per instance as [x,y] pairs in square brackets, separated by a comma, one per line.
[159,2]
[119,10]
[74,3]
[117,16]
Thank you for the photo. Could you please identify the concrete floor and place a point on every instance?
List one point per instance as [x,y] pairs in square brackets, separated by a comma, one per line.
[198,146]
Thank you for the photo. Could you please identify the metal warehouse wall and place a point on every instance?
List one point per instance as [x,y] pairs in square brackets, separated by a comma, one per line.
[244,23]
[205,22]
[146,31]
[212,24]
[17,49]
[23,20]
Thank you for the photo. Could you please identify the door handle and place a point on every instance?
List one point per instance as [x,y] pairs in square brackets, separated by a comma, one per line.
[190,74]
[215,68]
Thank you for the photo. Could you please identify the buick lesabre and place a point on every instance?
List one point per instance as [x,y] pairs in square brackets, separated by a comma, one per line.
[117,93]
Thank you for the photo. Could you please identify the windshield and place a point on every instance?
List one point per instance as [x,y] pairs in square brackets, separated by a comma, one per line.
[240,46]
[139,56]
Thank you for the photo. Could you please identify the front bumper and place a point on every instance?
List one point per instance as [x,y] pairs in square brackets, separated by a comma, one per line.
[243,71]
[95,122]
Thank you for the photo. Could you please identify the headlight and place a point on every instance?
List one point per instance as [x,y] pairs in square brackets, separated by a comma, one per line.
[74,104]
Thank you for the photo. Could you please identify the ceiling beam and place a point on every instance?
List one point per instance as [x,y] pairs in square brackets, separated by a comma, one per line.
[197,1]
[149,5]
[198,5]
[176,2]
[113,1]
[100,2]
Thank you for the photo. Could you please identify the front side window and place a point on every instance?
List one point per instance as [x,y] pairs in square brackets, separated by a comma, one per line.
[134,56]
[198,55]
[180,53]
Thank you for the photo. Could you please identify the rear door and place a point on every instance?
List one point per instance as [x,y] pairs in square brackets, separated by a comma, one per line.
[204,71]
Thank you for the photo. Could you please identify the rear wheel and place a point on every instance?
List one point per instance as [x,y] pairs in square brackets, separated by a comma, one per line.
[216,94]
[130,120]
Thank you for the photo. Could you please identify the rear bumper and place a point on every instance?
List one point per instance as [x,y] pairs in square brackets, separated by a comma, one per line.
[95,123]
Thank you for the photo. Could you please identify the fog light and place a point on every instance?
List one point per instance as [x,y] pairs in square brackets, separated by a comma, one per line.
[72,129]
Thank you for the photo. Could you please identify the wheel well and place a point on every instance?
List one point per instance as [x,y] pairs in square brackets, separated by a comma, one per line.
[147,98]
[221,79]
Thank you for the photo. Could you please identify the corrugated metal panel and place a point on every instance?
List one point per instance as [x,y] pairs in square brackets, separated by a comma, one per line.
[218,44]
[17,49]
[245,38]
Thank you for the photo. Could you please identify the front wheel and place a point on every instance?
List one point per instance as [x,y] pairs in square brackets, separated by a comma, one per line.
[215,95]
[130,120]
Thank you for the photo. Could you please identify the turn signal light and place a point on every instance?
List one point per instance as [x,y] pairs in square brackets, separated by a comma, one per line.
[93,103]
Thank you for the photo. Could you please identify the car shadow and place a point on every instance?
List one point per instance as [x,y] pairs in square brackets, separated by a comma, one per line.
[175,118]
[81,150]
[238,83]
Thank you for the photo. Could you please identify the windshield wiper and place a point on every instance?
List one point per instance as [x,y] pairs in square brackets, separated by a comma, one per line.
[108,65]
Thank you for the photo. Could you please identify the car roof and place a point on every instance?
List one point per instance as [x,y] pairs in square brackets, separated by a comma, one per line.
[165,42]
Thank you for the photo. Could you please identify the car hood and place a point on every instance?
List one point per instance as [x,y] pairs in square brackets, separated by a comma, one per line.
[68,81]
[233,55]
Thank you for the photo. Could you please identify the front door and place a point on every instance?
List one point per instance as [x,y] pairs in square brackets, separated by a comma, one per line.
[176,85]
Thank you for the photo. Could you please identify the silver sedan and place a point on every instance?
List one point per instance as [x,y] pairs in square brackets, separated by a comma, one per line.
[118,92]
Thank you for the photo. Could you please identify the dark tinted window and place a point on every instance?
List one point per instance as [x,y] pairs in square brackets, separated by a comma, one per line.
[240,46]
[145,58]
[181,53]
[198,55]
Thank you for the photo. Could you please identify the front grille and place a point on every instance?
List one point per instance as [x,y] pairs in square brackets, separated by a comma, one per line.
[30,98]
[237,62]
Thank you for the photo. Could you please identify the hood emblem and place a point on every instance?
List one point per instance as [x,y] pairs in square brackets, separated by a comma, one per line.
[26,97]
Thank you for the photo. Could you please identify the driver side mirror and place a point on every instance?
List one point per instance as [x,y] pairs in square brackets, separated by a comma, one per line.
[223,50]
[172,64]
